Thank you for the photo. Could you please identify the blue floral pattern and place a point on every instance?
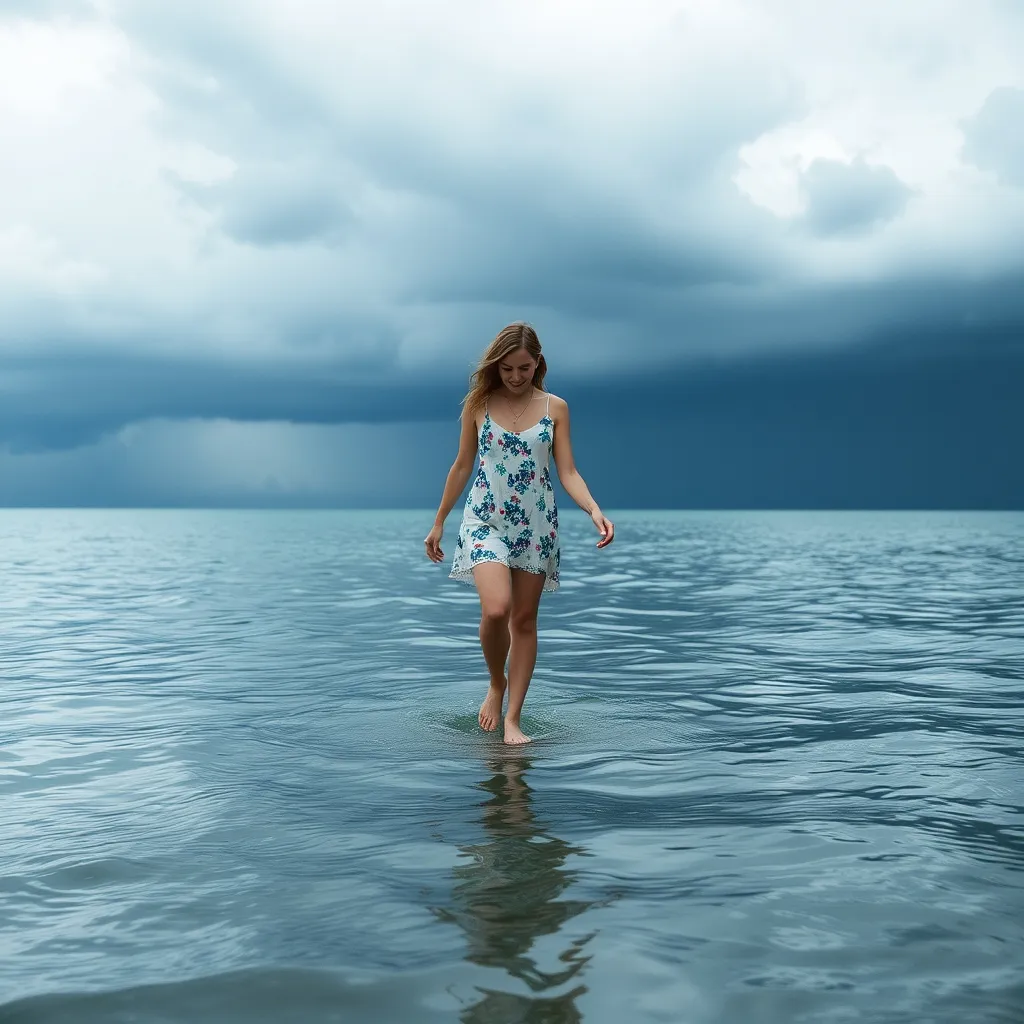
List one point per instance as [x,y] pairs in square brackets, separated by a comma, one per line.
[512,445]
[523,477]
[486,437]
[510,514]
[485,507]
[514,512]
[521,544]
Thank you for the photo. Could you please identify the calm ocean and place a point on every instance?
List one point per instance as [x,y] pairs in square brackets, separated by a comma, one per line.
[778,774]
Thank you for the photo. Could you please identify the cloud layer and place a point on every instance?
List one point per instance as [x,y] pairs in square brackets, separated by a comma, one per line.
[294,217]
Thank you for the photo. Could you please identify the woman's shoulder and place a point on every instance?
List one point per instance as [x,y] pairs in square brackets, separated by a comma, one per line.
[557,404]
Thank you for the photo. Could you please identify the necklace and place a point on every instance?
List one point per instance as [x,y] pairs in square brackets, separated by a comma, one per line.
[515,418]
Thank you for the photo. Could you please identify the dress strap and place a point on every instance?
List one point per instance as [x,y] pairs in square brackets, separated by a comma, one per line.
[547,405]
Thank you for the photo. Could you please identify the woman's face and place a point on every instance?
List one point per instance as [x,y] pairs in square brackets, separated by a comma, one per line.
[517,370]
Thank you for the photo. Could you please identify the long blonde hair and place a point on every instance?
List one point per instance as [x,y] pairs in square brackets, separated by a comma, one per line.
[486,378]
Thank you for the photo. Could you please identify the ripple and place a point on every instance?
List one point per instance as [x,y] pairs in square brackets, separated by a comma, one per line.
[776,773]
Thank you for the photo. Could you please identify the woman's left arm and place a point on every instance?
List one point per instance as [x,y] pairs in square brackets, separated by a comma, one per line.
[569,476]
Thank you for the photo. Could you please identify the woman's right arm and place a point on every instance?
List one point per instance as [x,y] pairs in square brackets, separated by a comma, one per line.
[462,467]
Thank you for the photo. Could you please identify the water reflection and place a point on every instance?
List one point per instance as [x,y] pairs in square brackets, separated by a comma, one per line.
[507,896]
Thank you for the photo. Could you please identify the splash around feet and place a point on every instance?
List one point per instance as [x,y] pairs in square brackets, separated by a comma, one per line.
[513,734]
[490,710]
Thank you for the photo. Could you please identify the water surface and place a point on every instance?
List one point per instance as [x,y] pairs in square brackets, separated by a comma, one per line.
[777,774]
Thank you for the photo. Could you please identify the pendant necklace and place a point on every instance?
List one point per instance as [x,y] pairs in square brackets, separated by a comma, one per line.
[516,419]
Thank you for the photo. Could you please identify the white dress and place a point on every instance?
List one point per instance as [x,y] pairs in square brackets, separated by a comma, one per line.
[510,514]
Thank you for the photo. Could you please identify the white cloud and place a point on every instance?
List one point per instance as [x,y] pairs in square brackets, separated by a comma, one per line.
[316,181]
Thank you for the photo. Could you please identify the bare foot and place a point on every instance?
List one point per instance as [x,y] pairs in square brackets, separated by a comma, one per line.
[490,710]
[513,734]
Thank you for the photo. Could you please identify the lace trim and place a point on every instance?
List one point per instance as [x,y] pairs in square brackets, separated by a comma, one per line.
[465,575]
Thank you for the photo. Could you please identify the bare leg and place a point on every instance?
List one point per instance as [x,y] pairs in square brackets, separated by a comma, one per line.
[494,587]
[526,590]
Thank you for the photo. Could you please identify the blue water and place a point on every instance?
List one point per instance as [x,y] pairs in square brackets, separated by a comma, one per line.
[777,778]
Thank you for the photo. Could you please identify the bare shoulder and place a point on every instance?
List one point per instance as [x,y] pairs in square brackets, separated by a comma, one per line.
[559,407]
[475,420]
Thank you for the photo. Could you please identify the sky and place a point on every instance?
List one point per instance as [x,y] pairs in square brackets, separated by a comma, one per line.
[251,250]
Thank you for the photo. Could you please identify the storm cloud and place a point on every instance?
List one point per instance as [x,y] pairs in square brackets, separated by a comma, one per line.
[788,231]
[850,197]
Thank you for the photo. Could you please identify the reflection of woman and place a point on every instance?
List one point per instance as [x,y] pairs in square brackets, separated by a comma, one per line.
[508,896]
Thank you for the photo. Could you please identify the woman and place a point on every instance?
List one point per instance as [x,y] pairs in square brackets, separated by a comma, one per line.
[508,540]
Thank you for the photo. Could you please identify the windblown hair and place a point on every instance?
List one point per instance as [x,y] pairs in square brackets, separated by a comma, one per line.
[486,378]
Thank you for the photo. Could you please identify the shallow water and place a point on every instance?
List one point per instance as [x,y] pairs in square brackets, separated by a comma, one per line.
[777,774]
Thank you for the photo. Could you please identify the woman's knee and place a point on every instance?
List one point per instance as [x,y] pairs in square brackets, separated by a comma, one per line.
[523,621]
[495,611]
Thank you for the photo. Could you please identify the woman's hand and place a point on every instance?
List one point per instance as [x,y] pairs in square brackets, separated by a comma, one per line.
[605,527]
[433,543]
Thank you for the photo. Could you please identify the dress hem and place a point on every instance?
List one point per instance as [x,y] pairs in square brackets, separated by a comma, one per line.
[466,575]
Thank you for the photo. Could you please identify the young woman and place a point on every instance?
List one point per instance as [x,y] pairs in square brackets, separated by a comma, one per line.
[508,540]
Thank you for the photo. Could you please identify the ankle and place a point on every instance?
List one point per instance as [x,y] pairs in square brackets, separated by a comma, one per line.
[499,685]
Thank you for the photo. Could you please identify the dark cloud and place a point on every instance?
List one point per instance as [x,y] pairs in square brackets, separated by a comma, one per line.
[75,401]
[994,136]
[905,422]
[848,198]
[860,430]
[330,238]
[65,398]
[273,204]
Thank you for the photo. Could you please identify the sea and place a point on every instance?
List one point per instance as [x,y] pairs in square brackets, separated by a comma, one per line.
[777,773]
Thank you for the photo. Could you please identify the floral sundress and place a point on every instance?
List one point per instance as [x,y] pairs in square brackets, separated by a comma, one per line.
[510,514]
